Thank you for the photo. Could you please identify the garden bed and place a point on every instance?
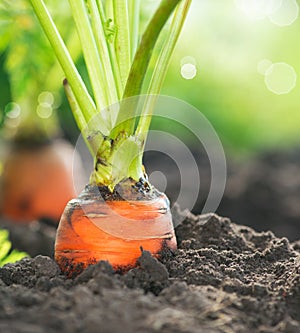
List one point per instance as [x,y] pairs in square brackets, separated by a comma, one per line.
[223,278]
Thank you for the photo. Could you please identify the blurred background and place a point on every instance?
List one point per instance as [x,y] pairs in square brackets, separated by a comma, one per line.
[237,62]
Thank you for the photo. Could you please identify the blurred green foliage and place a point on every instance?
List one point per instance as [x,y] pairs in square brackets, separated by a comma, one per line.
[225,44]
[29,55]
[27,64]
[5,96]
[6,255]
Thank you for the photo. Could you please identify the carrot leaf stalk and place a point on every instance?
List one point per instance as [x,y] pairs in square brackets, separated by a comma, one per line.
[160,69]
[83,98]
[122,39]
[134,15]
[117,64]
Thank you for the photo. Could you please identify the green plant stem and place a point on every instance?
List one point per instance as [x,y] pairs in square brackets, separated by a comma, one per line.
[98,31]
[90,132]
[122,39]
[79,118]
[116,70]
[109,10]
[91,56]
[140,65]
[117,152]
[84,99]
[161,68]
[117,161]
[111,51]
[134,18]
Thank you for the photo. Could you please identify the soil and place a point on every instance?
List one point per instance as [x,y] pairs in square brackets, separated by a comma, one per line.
[224,277]
[262,191]
[34,238]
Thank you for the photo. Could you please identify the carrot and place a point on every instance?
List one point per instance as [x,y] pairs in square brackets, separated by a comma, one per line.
[28,193]
[93,229]
[119,212]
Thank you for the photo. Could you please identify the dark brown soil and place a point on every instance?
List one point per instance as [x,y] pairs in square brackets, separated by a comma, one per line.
[223,278]
[34,238]
[262,191]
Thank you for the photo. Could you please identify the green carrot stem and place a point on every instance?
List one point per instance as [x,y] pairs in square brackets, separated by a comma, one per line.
[122,39]
[85,128]
[161,68]
[117,151]
[84,99]
[98,31]
[140,65]
[108,6]
[111,51]
[90,52]
[79,117]
[134,17]
[116,71]
[144,52]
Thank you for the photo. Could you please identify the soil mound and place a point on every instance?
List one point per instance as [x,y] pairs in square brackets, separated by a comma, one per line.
[223,278]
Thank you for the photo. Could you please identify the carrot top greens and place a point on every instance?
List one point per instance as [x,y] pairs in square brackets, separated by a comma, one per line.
[117,61]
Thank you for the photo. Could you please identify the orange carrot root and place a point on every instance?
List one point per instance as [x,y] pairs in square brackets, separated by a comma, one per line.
[36,184]
[92,229]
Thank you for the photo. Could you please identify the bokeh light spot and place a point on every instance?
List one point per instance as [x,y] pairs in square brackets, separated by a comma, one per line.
[280,78]
[44,110]
[286,14]
[46,97]
[188,71]
[263,66]
[12,110]
[258,9]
